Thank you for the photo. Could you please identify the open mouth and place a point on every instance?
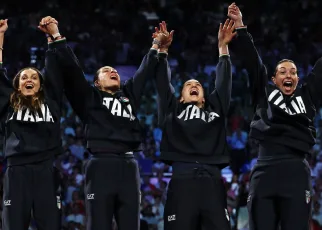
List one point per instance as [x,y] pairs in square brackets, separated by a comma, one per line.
[114,77]
[29,86]
[288,85]
[194,92]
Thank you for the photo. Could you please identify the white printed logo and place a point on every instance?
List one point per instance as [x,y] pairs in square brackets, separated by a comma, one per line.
[7,202]
[58,202]
[296,105]
[45,116]
[90,196]
[307,196]
[171,218]
[249,198]
[117,109]
[227,214]
[193,112]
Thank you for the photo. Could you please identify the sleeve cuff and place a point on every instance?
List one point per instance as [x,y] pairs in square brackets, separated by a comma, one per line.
[163,55]
[241,27]
[57,44]
[224,56]
[242,30]
[153,51]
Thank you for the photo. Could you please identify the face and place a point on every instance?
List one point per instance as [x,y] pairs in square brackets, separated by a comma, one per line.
[286,78]
[29,82]
[108,78]
[192,92]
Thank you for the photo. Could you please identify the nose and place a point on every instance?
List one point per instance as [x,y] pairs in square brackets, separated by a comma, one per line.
[113,71]
[288,74]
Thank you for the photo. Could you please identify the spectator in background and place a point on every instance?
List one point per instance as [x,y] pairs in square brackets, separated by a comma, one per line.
[68,164]
[76,217]
[317,214]
[238,142]
[158,210]
[78,149]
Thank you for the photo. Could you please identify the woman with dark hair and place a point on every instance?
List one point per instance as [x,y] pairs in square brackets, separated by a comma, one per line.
[280,186]
[194,142]
[30,111]
[113,132]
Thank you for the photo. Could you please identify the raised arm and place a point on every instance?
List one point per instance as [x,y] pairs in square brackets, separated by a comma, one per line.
[78,91]
[314,82]
[53,83]
[247,53]
[5,84]
[165,92]
[223,70]
[135,86]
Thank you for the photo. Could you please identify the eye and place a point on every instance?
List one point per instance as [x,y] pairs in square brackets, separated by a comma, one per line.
[282,72]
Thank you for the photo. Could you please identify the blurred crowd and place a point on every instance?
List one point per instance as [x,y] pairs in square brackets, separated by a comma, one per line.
[118,33]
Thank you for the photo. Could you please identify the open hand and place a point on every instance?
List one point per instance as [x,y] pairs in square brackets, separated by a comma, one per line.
[3,26]
[163,35]
[48,25]
[226,32]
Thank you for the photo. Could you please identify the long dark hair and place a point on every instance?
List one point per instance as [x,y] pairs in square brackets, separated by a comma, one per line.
[19,101]
[96,76]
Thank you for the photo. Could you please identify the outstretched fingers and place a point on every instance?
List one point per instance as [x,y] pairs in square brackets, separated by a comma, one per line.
[171,34]
[165,27]
[220,27]
[226,24]
[231,25]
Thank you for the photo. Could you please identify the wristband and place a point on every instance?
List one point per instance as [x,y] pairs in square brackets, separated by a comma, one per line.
[56,35]
[60,40]
[156,42]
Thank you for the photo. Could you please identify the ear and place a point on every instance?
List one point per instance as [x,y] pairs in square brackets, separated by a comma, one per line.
[298,79]
[97,84]
[274,80]
[181,99]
